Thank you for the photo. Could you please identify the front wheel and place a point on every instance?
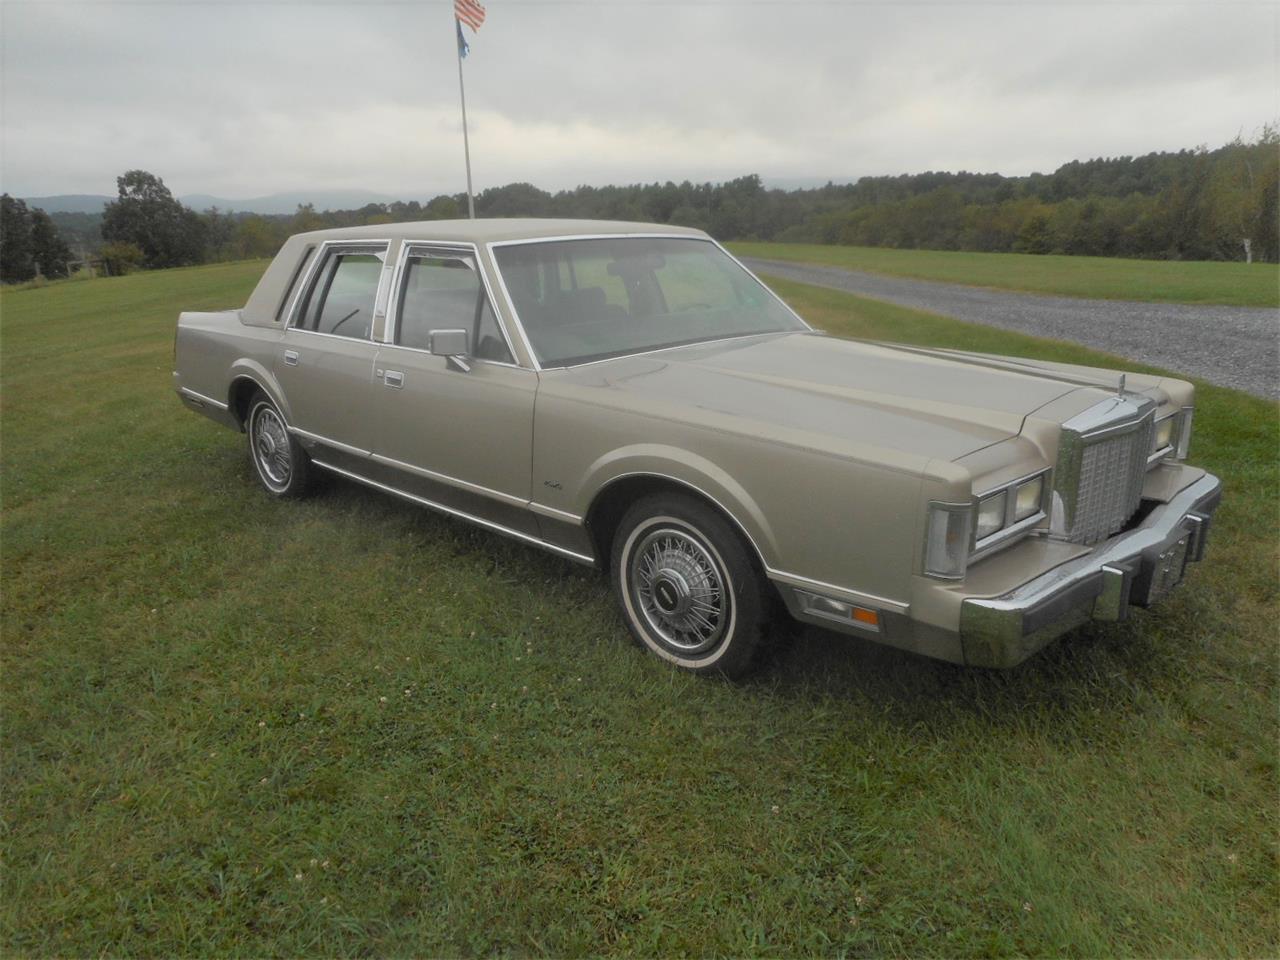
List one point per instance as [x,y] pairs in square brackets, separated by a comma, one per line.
[687,586]
[282,466]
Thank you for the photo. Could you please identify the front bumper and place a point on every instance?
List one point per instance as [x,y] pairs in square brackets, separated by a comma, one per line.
[1136,567]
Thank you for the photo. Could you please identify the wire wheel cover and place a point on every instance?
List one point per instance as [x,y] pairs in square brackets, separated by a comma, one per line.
[679,589]
[271,446]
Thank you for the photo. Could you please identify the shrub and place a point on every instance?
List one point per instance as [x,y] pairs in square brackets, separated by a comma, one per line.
[121,258]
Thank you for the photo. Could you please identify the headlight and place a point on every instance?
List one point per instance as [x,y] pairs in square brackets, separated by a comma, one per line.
[946,548]
[1028,497]
[1164,433]
[959,532]
[991,513]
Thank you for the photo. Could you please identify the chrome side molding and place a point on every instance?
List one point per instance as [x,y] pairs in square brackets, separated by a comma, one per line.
[460,514]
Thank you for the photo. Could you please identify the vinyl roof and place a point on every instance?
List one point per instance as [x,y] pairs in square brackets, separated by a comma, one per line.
[490,230]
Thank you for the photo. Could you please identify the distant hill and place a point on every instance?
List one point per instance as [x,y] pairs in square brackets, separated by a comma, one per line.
[272,203]
[69,203]
[289,202]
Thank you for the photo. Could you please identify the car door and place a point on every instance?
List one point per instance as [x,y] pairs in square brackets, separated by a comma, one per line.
[325,359]
[461,438]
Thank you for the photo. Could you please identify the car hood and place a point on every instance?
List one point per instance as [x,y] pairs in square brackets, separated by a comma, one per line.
[802,387]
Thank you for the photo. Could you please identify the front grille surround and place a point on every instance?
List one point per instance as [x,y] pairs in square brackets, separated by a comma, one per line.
[1102,464]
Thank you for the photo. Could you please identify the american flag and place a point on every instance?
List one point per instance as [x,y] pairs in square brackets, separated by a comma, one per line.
[469,12]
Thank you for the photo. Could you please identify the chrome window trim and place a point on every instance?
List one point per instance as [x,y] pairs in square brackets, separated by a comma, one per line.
[786,306]
[321,253]
[511,309]
[515,314]
[392,327]
[460,514]
[336,336]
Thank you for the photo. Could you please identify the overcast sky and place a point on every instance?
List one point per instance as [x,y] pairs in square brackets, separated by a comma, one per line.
[240,99]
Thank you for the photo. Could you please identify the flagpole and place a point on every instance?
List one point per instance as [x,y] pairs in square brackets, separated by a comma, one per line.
[466,143]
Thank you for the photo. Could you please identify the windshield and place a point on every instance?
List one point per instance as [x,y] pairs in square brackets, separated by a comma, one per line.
[581,300]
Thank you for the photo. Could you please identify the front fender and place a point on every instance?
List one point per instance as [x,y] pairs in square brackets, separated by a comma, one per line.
[688,469]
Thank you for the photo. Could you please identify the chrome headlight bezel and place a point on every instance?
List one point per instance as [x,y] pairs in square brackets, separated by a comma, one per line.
[992,515]
[1164,437]
[1013,526]
[951,531]
[1183,446]
[1176,442]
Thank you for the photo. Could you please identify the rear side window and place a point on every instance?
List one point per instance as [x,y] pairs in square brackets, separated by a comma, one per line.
[443,291]
[343,292]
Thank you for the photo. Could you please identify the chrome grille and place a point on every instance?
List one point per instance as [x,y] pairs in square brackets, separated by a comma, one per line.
[1102,464]
[1111,473]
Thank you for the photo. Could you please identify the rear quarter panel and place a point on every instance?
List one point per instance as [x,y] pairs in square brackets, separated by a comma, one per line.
[213,349]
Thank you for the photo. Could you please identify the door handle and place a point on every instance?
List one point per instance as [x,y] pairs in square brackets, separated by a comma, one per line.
[393,378]
[291,358]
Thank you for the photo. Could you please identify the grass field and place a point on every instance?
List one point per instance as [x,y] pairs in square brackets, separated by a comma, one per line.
[1106,278]
[345,726]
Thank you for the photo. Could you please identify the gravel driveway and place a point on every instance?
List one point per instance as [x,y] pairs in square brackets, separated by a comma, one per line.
[1233,346]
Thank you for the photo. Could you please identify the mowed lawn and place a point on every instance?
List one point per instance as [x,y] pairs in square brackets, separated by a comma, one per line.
[346,726]
[1105,278]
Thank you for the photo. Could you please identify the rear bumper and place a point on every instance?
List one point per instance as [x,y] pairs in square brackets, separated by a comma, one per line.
[1135,568]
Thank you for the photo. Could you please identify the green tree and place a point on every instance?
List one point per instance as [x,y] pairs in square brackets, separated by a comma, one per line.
[256,237]
[219,234]
[305,219]
[146,215]
[17,260]
[443,207]
[47,246]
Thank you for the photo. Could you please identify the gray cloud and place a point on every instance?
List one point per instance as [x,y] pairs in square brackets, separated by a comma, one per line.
[241,99]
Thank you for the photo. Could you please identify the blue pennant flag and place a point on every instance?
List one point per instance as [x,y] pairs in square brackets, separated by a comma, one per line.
[463,47]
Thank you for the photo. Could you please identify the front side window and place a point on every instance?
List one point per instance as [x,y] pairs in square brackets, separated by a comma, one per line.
[582,300]
[443,291]
[342,295]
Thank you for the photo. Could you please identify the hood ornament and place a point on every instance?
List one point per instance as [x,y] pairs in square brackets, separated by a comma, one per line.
[1120,392]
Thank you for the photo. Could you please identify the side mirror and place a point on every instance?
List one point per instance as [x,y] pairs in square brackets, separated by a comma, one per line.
[453,344]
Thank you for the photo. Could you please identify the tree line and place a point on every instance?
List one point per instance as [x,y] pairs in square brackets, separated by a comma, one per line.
[1201,204]
[30,244]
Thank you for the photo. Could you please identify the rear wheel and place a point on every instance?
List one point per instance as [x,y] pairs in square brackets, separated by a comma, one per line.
[282,466]
[687,586]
